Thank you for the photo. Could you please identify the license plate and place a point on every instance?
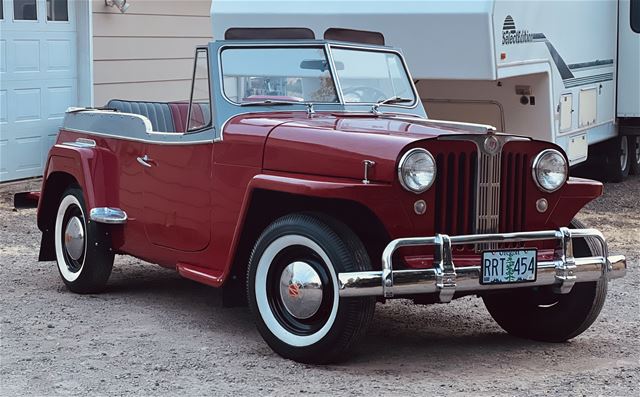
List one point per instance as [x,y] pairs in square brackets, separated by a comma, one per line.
[509,266]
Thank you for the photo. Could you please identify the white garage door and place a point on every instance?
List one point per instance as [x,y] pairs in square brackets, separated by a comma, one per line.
[38,81]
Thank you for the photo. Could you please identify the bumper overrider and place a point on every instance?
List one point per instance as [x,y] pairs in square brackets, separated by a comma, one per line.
[445,279]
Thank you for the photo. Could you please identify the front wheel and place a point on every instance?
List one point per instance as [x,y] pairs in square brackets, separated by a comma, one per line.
[293,291]
[540,314]
[83,249]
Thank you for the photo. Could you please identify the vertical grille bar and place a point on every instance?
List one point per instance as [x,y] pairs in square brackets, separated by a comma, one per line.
[488,204]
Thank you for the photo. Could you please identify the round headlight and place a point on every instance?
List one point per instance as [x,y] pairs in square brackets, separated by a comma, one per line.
[550,170]
[417,170]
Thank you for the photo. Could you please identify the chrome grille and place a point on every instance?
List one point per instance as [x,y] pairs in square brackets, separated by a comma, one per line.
[480,191]
[488,196]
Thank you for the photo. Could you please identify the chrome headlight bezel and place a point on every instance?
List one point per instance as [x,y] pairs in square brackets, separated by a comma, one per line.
[536,164]
[401,164]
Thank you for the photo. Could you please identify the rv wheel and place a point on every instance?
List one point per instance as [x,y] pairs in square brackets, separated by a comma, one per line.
[617,159]
[634,154]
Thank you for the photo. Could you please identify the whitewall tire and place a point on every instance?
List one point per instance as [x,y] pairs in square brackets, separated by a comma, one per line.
[83,248]
[293,292]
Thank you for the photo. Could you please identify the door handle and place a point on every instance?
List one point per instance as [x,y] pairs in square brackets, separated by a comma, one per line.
[145,161]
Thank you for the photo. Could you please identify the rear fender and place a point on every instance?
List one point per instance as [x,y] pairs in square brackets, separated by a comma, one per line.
[93,169]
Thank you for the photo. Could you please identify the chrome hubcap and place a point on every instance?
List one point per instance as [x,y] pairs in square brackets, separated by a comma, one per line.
[624,152]
[74,238]
[300,290]
[636,147]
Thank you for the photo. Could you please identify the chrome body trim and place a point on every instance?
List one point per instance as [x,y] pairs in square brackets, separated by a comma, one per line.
[536,160]
[129,138]
[471,127]
[445,279]
[108,215]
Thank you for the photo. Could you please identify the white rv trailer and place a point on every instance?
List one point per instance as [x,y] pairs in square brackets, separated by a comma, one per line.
[562,71]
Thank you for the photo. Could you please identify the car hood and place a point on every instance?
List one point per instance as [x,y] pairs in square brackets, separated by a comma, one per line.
[337,145]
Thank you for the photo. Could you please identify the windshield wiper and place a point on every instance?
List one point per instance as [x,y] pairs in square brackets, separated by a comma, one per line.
[375,109]
[270,102]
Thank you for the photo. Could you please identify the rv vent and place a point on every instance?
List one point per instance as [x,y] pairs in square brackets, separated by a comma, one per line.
[268,33]
[354,36]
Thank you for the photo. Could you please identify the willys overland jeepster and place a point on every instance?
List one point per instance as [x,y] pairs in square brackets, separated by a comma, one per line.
[305,177]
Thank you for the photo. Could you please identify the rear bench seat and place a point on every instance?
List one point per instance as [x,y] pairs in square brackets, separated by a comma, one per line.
[164,116]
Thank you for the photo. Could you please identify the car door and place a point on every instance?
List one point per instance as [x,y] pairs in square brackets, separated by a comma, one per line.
[177,187]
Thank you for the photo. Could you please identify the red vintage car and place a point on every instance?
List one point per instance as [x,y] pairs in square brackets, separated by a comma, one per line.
[305,178]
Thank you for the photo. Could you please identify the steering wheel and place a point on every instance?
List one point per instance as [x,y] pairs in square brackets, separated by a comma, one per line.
[364,94]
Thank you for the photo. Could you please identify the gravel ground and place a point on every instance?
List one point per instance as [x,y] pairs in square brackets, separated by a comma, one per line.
[154,333]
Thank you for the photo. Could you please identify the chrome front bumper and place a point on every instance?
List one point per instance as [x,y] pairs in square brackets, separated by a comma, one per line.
[445,279]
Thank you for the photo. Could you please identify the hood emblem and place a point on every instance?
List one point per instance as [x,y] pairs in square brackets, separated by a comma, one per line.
[491,145]
[294,290]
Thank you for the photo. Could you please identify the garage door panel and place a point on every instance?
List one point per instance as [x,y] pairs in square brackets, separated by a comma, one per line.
[25,104]
[4,160]
[3,108]
[26,56]
[59,99]
[3,56]
[59,55]
[23,149]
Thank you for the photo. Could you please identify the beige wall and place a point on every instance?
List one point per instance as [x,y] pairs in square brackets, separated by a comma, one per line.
[147,53]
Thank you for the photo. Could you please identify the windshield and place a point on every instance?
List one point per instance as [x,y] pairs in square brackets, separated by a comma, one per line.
[371,76]
[284,75]
[278,74]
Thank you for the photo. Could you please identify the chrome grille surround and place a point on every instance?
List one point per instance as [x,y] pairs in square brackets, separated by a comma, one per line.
[488,180]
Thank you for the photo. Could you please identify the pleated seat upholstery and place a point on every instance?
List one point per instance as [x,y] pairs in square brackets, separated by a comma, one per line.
[158,113]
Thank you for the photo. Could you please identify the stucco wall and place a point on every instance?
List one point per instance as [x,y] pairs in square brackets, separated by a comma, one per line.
[147,53]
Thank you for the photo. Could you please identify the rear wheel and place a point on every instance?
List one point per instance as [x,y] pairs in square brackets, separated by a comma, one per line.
[83,249]
[540,314]
[293,290]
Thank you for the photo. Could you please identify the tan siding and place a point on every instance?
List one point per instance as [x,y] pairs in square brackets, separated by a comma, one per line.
[106,48]
[147,53]
[124,25]
[158,7]
[128,71]
[163,91]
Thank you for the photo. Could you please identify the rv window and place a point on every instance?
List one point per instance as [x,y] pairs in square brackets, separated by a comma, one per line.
[635,15]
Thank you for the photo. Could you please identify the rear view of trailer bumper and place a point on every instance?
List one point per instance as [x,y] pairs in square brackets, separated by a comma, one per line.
[445,279]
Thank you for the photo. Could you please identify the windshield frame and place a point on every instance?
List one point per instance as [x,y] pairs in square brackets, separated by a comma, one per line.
[349,46]
[326,46]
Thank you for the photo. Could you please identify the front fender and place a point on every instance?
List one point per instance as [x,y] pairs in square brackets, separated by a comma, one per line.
[379,198]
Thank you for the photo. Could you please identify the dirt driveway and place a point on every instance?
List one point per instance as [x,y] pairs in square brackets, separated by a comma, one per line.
[154,333]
